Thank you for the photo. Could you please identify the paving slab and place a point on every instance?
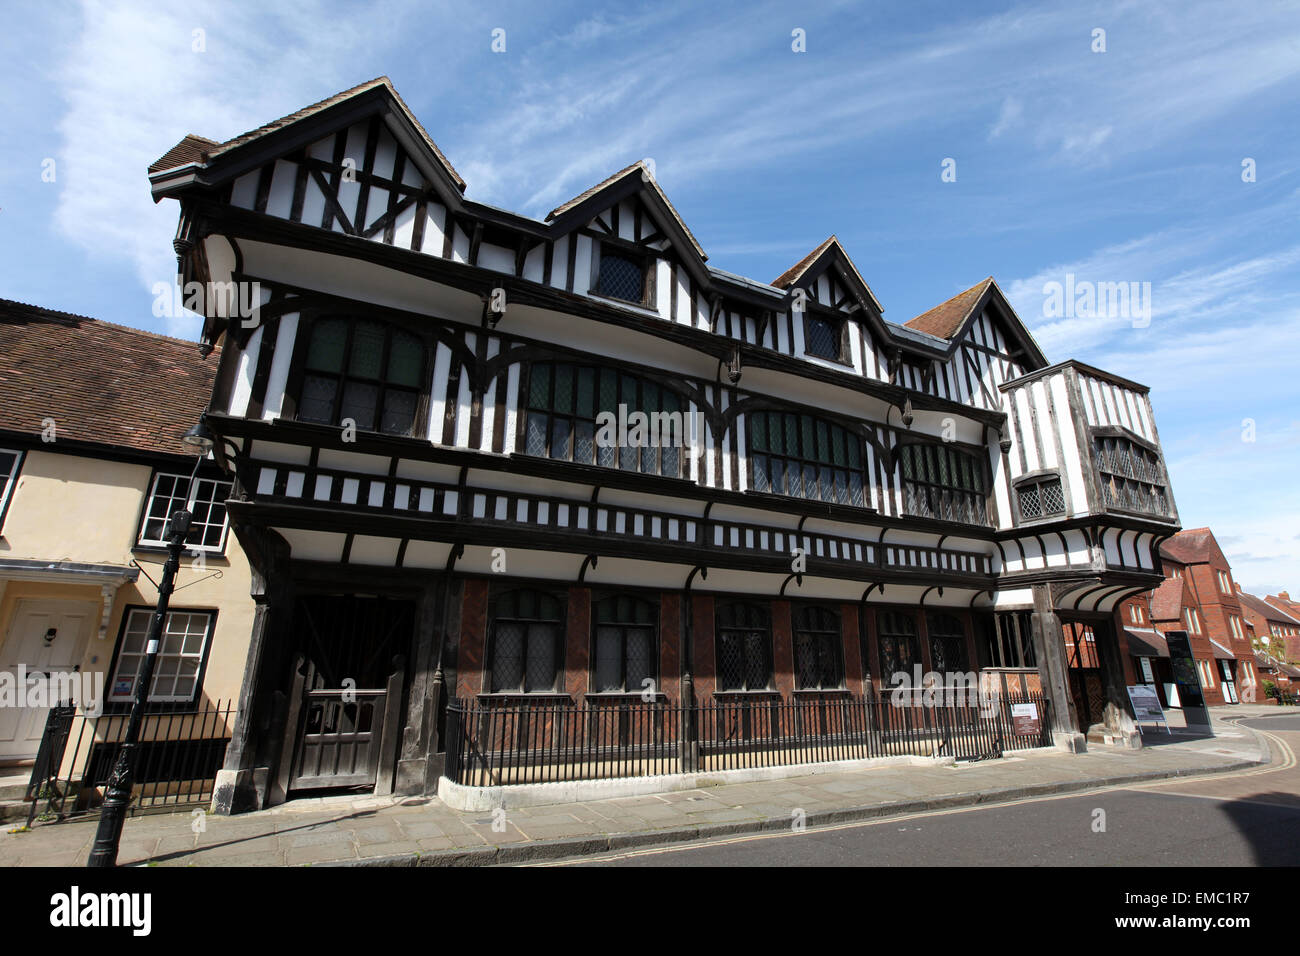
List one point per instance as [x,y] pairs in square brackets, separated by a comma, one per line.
[406,831]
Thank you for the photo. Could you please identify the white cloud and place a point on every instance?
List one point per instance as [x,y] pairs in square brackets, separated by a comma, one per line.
[1008,116]
[134,85]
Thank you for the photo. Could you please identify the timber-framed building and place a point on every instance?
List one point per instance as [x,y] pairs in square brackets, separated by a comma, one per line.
[411,422]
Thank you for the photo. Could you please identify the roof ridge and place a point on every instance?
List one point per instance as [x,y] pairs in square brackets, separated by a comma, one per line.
[46,312]
[943,323]
[287,117]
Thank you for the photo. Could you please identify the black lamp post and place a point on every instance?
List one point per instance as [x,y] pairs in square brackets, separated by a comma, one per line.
[117,795]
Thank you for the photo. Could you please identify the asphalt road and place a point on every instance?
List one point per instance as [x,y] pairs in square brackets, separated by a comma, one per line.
[1250,818]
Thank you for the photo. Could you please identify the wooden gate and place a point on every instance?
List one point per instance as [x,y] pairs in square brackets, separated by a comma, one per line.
[345,705]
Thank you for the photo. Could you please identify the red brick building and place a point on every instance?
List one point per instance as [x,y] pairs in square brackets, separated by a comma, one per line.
[1199,597]
[1278,629]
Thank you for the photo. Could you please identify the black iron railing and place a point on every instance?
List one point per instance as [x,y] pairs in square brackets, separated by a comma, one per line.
[491,744]
[176,762]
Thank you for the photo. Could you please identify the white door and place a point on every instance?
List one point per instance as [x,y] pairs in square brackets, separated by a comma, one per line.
[46,637]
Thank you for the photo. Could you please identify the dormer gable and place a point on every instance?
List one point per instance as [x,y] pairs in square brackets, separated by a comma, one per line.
[982,316]
[196,161]
[631,208]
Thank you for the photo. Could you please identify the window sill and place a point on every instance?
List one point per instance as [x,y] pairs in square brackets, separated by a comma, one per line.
[1041,520]
[215,557]
[864,509]
[747,693]
[648,309]
[121,708]
[812,691]
[841,362]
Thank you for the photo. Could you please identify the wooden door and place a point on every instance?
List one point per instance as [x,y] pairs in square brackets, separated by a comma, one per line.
[347,695]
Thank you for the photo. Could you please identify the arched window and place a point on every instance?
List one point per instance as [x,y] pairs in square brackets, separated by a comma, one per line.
[567,405]
[805,457]
[525,642]
[366,371]
[744,647]
[947,642]
[900,650]
[940,481]
[818,658]
[627,649]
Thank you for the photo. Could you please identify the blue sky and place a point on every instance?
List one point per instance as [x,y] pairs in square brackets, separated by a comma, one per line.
[1122,165]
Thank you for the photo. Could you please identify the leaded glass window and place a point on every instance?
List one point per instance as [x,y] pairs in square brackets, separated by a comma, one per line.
[621,277]
[525,642]
[1132,477]
[1041,498]
[947,643]
[626,650]
[744,647]
[805,457]
[900,649]
[940,481]
[363,370]
[818,661]
[565,401]
[823,336]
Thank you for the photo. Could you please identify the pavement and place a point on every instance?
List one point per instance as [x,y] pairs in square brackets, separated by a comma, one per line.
[1249,818]
[411,831]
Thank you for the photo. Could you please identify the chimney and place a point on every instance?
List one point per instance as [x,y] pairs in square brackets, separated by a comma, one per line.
[1284,596]
[1237,585]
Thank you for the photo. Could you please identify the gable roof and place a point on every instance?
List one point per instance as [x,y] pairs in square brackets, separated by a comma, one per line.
[1191,546]
[642,171]
[949,319]
[374,97]
[946,318]
[829,251]
[191,149]
[1167,601]
[1284,604]
[101,383]
[200,164]
[1264,609]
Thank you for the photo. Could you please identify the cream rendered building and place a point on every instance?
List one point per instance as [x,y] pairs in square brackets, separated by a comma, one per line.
[91,463]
